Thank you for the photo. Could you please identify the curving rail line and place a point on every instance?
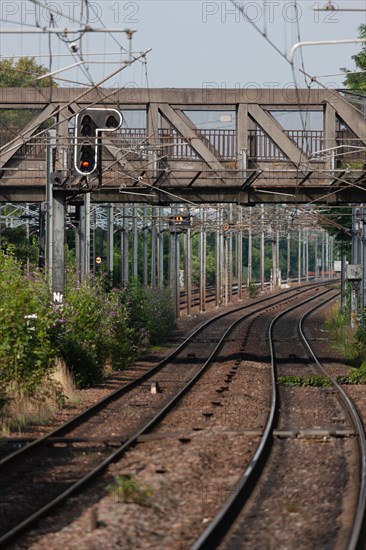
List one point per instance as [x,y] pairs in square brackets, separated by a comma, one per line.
[349,407]
[217,529]
[15,530]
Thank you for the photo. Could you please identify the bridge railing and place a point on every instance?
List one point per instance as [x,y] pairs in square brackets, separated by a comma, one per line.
[135,142]
[223,143]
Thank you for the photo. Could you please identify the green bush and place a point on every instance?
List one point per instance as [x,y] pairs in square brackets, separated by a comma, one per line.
[91,330]
[151,314]
[253,290]
[95,327]
[26,354]
[338,325]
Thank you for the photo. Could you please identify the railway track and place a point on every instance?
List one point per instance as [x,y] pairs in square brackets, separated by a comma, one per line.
[50,463]
[210,295]
[267,481]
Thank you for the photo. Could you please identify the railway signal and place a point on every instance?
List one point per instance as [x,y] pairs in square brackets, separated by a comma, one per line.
[89,125]
[180,220]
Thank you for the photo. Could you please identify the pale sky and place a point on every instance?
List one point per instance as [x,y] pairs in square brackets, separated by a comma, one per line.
[194,43]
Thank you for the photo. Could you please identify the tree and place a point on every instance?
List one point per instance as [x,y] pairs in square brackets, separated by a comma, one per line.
[23,74]
[338,223]
[357,81]
[20,74]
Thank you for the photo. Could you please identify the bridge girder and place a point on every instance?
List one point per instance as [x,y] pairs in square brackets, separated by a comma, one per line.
[171,158]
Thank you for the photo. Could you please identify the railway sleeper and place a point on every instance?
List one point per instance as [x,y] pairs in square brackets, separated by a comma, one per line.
[319,434]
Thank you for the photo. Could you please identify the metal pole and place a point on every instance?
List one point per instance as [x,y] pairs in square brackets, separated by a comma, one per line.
[77,240]
[250,253]
[274,263]
[188,269]
[135,243]
[327,254]
[278,275]
[218,259]
[230,258]
[354,236]
[173,271]
[222,262]
[145,247]
[343,282]
[307,255]
[42,235]
[288,257]
[240,255]
[202,257]
[261,266]
[154,248]
[230,268]
[177,273]
[299,258]
[161,254]
[85,237]
[110,239]
[124,247]
[363,259]
[226,269]
[316,269]
[49,211]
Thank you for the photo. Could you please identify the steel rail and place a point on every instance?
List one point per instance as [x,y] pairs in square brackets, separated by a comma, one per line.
[358,524]
[221,523]
[16,530]
[78,419]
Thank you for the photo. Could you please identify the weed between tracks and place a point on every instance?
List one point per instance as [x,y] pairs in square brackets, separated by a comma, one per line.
[128,489]
[300,381]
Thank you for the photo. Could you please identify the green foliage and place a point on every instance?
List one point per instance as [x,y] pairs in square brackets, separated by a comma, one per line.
[96,327]
[301,381]
[150,313]
[20,74]
[128,489]
[90,330]
[360,341]
[338,324]
[253,290]
[25,344]
[357,81]
[356,376]
[23,74]
[338,223]
[25,249]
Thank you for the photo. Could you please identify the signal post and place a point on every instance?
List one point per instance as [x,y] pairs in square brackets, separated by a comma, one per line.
[90,124]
